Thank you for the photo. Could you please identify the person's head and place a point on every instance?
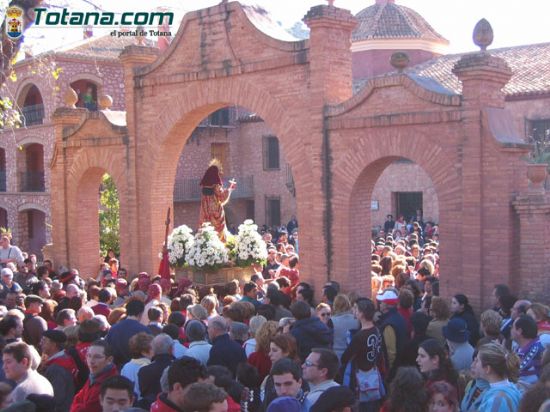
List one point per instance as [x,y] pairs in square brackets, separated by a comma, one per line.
[66,317]
[287,377]
[239,331]
[250,289]
[209,302]
[34,304]
[534,398]
[17,359]
[431,356]
[408,389]
[99,356]
[320,365]
[490,322]
[439,308]
[499,291]
[217,326]
[443,397]
[53,341]
[162,344]
[459,304]
[494,363]
[364,309]
[182,373]
[335,399]
[539,312]
[195,331]
[456,331]
[116,394]
[282,346]
[341,304]
[329,293]
[524,328]
[232,287]
[420,322]
[388,300]
[519,308]
[323,312]
[155,314]
[135,308]
[300,310]
[197,311]
[205,397]
[11,327]
[141,345]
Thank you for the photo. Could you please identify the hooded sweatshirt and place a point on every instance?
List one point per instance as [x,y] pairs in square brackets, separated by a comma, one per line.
[501,396]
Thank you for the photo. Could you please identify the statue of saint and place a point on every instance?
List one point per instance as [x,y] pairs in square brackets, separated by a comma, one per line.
[213,198]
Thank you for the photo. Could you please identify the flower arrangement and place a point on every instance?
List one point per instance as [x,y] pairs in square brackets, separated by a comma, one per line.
[207,251]
[250,247]
[179,242]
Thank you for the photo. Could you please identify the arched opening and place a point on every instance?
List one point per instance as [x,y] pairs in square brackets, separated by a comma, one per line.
[109,216]
[403,189]
[32,106]
[3,175]
[32,231]
[3,217]
[30,164]
[249,152]
[87,94]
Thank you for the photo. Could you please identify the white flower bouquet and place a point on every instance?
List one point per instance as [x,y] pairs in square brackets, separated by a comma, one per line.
[249,245]
[179,242]
[207,251]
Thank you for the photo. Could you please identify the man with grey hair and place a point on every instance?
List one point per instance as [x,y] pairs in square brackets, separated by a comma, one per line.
[149,375]
[225,351]
[239,332]
[199,348]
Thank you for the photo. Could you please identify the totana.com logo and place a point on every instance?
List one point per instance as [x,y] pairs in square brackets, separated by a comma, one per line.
[14,22]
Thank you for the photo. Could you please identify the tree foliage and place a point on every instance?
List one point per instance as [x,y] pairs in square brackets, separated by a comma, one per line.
[109,216]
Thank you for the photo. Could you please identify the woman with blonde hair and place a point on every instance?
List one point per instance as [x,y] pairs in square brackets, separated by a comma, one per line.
[342,321]
[210,302]
[260,358]
[323,312]
[490,322]
[500,368]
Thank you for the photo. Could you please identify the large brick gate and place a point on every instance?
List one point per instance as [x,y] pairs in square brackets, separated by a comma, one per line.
[336,144]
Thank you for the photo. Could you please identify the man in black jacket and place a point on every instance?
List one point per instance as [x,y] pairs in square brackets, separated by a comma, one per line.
[309,331]
[225,351]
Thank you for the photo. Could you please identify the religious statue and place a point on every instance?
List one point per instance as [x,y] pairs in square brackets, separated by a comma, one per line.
[213,198]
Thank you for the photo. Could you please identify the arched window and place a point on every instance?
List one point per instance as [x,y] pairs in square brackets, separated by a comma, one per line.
[33,107]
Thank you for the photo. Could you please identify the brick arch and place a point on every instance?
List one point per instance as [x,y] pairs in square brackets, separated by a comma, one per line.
[83,180]
[31,140]
[32,206]
[87,76]
[167,140]
[355,177]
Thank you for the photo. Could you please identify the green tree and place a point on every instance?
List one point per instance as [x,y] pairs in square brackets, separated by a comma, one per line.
[109,216]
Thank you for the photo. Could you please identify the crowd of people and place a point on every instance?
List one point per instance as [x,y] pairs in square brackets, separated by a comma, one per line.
[111,343]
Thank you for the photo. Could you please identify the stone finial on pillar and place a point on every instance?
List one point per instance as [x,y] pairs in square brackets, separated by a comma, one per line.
[537,174]
[483,34]
[105,102]
[70,98]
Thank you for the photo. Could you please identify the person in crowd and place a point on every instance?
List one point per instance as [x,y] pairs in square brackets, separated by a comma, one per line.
[11,328]
[461,352]
[33,325]
[407,392]
[364,355]
[287,380]
[149,375]
[529,350]
[155,316]
[323,312]
[99,359]
[182,373]
[319,370]
[335,399]
[500,368]
[477,385]
[443,397]
[499,291]
[250,294]
[141,350]
[309,331]
[8,252]
[434,363]
[391,324]
[17,360]
[489,323]
[116,394]
[460,308]
[65,318]
[342,321]
[224,351]
[120,334]
[533,399]
[541,314]
[222,378]
[247,375]
[260,358]
[407,357]
[59,368]
[199,348]
[519,308]
[254,324]
[203,396]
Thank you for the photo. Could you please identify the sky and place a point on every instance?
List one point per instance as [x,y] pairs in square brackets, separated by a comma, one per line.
[514,22]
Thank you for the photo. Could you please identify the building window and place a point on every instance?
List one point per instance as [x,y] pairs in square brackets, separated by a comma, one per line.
[220,117]
[273,211]
[271,153]
[538,134]
[220,151]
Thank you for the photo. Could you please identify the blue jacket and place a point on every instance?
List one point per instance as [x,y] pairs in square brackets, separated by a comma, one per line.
[500,397]
[310,333]
[474,388]
[226,352]
[119,335]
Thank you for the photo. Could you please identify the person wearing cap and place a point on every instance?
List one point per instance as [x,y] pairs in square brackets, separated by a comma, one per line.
[461,352]
[59,368]
[8,252]
[391,324]
[33,324]
[122,291]
[335,399]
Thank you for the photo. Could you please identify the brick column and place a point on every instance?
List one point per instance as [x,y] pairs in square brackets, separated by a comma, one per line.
[134,57]
[485,248]
[533,210]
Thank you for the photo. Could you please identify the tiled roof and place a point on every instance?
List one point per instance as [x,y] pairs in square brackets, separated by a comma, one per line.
[530,65]
[387,20]
[104,47]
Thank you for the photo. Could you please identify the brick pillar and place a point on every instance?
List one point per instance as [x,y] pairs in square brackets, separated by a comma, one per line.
[485,208]
[138,234]
[533,210]
[63,119]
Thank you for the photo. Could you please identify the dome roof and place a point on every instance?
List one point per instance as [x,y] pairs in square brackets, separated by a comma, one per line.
[387,20]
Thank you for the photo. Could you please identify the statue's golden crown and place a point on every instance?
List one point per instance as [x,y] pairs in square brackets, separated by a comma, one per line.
[14,12]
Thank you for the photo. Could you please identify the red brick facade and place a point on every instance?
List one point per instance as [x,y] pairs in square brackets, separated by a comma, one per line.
[336,145]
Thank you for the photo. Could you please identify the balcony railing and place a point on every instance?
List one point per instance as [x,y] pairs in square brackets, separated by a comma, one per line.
[32,182]
[189,190]
[2,180]
[33,114]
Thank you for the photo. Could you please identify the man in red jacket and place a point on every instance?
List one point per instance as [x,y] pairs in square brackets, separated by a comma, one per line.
[100,362]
